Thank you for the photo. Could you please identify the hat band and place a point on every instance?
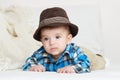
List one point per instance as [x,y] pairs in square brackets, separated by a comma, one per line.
[54,20]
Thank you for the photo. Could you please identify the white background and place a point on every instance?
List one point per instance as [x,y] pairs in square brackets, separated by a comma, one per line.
[110,20]
[110,17]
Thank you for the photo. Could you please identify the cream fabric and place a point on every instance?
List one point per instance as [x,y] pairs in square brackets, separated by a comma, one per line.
[16,42]
[97,61]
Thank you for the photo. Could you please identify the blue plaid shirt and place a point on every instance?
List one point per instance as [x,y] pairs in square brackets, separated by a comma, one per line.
[71,56]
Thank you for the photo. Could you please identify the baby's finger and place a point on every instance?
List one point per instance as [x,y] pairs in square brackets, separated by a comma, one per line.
[43,70]
[59,71]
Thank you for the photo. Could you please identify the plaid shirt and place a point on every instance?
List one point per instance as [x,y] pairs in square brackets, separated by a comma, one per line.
[72,56]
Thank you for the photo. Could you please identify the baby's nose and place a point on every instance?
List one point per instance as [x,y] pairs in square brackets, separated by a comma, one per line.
[52,41]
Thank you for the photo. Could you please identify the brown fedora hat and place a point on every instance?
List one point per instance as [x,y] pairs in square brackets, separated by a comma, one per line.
[54,17]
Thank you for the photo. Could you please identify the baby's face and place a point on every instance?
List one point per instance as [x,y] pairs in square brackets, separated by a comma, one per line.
[55,40]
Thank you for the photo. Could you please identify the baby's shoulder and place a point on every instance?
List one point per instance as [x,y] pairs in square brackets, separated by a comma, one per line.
[75,47]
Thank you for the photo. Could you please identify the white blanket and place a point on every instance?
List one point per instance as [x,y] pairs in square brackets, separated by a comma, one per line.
[110,73]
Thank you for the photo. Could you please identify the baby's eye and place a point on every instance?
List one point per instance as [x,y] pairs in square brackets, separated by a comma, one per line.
[57,37]
[45,39]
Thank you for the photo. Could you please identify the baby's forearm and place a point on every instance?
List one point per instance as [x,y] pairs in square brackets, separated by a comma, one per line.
[81,69]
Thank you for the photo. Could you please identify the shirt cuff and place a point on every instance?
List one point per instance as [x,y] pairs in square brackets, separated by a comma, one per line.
[79,69]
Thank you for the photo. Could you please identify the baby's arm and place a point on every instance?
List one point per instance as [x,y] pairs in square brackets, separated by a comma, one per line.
[82,63]
[33,65]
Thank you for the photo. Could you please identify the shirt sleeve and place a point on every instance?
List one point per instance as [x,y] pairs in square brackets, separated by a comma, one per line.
[82,63]
[31,61]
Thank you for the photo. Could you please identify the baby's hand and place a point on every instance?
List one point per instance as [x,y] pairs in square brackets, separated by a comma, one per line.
[67,69]
[37,68]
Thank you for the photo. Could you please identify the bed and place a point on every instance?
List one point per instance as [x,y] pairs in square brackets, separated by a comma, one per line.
[20,22]
[110,73]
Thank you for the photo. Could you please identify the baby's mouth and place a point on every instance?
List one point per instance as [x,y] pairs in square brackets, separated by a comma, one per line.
[53,49]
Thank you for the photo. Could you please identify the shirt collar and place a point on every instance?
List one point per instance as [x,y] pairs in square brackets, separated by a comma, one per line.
[68,50]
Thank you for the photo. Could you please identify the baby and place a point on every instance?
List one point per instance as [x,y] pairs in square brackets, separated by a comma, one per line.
[57,54]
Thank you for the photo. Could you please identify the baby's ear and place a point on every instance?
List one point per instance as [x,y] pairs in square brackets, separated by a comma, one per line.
[69,38]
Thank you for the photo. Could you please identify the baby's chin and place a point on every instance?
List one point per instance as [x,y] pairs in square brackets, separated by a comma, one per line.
[56,54]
